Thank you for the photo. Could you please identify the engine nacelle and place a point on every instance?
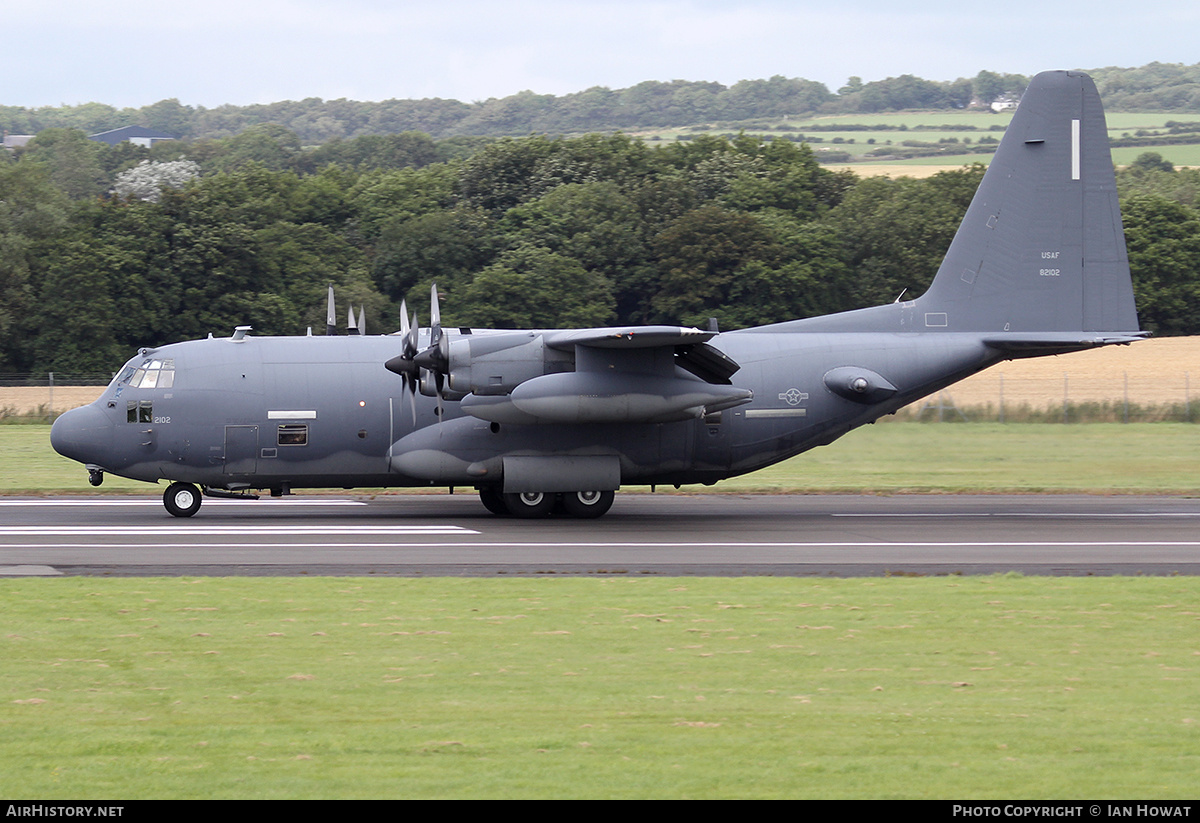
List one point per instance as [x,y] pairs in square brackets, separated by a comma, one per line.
[495,364]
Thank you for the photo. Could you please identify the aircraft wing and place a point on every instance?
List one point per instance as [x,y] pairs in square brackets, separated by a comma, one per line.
[690,346]
[627,337]
[619,375]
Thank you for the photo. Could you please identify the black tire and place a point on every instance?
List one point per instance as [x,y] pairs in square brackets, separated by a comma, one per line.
[182,499]
[588,504]
[529,504]
[493,500]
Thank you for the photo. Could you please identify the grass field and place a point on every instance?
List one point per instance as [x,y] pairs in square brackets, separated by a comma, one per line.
[964,688]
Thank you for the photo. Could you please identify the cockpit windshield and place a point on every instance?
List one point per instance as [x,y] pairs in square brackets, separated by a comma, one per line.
[151,374]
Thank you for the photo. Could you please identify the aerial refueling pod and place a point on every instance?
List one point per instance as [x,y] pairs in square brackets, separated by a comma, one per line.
[595,397]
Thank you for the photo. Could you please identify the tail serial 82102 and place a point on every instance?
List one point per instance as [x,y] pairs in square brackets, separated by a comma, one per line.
[551,419]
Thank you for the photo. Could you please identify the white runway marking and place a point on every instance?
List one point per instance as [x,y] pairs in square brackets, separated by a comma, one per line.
[198,530]
[482,544]
[155,502]
[946,515]
[29,571]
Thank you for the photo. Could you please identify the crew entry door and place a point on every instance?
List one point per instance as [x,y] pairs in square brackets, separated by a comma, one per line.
[241,449]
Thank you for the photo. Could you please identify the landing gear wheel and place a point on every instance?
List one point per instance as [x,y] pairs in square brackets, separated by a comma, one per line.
[182,499]
[529,504]
[493,500]
[587,504]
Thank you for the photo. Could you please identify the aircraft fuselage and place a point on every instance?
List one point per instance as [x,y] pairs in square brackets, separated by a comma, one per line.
[305,412]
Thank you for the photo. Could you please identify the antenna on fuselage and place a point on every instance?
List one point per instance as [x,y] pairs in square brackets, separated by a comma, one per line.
[330,321]
[351,325]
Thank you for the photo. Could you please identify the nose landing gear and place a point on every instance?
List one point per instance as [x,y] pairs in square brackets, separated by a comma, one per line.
[182,499]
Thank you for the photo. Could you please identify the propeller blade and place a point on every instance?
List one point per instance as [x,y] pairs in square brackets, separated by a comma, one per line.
[404,364]
[435,310]
[330,321]
[436,357]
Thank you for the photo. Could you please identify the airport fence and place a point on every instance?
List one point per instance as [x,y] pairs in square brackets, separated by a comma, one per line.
[42,396]
[1123,397]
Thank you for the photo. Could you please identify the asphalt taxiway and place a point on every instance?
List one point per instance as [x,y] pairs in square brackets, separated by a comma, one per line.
[666,534]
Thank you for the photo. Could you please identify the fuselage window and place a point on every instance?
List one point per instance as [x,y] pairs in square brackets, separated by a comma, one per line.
[293,434]
[139,411]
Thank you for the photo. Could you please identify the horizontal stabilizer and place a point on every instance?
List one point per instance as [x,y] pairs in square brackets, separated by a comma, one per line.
[1018,344]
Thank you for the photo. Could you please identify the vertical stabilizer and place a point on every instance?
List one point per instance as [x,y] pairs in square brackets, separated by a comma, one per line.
[1041,247]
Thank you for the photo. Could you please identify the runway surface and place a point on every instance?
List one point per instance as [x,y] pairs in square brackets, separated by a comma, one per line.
[704,534]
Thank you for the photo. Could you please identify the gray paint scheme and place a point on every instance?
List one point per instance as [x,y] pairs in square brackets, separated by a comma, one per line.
[1037,267]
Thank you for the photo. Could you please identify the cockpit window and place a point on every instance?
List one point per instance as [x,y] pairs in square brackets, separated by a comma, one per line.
[152,374]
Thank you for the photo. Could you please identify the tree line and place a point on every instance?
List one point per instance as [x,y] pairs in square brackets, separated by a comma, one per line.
[650,104]
[530,232]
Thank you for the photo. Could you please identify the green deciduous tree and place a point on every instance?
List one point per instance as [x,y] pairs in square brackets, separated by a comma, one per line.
[73,162]
[895,232]
[700,255]
[33,212]
[1163,239]
[531,287]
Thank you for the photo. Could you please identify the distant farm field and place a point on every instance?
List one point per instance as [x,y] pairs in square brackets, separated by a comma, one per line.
[1162,371]
[29,400]
[844,132]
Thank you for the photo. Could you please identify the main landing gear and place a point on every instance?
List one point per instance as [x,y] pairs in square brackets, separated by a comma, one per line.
[585,505]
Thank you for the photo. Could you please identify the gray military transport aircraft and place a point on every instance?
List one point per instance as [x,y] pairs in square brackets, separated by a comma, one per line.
[559,419]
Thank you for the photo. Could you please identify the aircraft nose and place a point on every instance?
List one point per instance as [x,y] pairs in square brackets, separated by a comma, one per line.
[83,434]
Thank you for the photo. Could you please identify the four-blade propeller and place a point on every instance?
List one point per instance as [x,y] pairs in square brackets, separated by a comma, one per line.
[430,364]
